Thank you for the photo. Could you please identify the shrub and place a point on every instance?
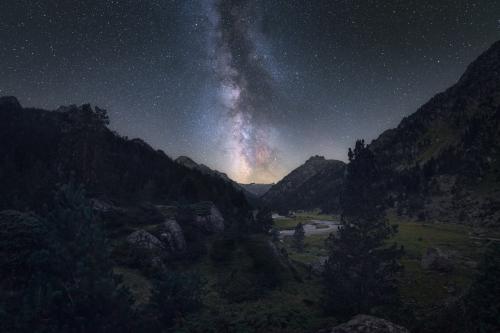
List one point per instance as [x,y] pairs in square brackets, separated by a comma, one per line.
[176,294]
[64,280]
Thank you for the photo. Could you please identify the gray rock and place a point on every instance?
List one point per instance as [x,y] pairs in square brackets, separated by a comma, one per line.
[318,266]
[435,259]
[145,240]
[172,236]
[366,324]
[212,223]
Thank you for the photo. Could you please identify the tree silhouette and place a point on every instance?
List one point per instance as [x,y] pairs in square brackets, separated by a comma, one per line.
[298,237]
[361,267]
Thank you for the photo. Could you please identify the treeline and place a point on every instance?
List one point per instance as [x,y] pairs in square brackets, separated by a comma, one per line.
[41,149]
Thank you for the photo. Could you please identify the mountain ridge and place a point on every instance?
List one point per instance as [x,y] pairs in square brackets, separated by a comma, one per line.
[44,148]
[300,189]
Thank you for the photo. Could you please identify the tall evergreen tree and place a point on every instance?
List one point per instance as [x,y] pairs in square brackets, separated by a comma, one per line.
[361,267]
[298,237]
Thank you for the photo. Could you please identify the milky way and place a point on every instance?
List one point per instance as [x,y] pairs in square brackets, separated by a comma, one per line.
[251,88]
[246,89]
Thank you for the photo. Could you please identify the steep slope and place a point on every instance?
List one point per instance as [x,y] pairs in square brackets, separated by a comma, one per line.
[443,161]
[41,149]
[315,184]
[192,165]
[257,189]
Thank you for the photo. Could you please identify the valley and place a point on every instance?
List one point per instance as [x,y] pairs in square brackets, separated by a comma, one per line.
[103,233]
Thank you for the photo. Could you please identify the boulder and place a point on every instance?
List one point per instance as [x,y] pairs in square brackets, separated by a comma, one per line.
[435,259]
[212,222]
[366,324]
[318,267]
[145,240]
[172,236]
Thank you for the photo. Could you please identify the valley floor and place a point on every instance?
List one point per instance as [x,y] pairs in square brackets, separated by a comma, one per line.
[295,305]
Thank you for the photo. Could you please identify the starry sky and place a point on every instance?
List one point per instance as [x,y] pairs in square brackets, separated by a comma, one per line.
[251,88]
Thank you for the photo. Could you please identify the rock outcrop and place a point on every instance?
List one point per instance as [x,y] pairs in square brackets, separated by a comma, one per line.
[366,324]
[213,222]
[435,259]
[145,240]
[172,236]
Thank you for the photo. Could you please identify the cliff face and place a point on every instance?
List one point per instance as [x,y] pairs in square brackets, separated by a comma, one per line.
[315,184]
[41,149]
[443,161]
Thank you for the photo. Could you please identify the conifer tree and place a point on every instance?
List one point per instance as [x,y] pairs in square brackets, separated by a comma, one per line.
[361,267]
[298,237]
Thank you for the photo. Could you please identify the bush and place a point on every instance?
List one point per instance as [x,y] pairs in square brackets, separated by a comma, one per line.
[482,304]
[64,281]
[176,294]
[222,250]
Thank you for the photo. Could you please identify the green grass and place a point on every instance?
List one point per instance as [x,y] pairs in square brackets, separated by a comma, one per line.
[293,306]
[316,215]
[314,248]
[417,237]
[286,223]
[418,286]
[427,288]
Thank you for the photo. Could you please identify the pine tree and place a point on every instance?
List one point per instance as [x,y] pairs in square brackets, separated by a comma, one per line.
[264,220]
[298,237]
[361,267]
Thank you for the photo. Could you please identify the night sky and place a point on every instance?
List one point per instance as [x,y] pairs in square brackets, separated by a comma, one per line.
[251,88]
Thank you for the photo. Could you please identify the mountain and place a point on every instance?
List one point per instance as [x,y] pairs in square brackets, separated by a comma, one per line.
[251,197]
[192,165]
[315,184]
[257,189]
[443,161]
[41,149]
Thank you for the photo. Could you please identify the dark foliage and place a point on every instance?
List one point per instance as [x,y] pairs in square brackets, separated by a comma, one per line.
[360,271]
[57,275]
[256,270]
[41,149]
[478,309]
[482,305]
[298,237]
[264,220]
[222,250]
[175,295]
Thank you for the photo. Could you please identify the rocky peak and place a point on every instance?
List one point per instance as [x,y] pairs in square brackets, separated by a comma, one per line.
[187,162]
[315,158]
